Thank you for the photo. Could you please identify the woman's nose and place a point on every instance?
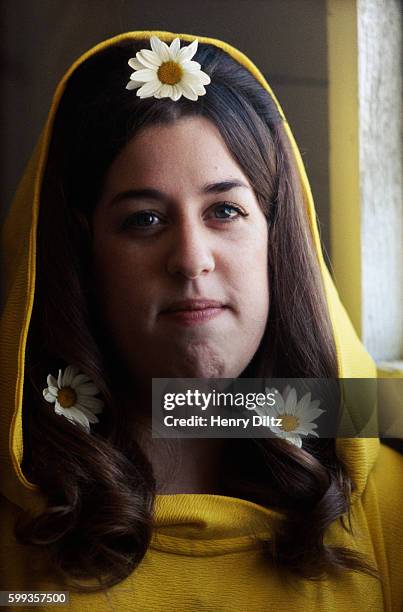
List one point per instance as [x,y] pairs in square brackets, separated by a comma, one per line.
[190,252]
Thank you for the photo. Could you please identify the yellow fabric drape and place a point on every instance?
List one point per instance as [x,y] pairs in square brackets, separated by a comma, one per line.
[193,529]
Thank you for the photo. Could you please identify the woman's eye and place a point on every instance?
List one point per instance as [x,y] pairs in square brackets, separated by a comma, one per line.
[228,212]
[147,219]
[143,219]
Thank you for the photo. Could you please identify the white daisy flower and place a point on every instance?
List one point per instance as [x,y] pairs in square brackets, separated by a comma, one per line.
[73,396]
[296,417]
[167,72]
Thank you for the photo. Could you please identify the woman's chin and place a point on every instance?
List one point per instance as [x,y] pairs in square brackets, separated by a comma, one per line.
[199,362]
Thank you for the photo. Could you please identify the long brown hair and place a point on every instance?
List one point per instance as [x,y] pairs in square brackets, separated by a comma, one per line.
[100,489]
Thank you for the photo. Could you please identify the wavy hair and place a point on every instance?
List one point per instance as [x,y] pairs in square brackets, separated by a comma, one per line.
[100,489]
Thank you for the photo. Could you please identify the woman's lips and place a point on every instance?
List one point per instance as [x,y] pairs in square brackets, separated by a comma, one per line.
[194,316]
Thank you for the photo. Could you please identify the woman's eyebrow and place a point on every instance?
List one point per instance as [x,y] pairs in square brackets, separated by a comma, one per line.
[148,193]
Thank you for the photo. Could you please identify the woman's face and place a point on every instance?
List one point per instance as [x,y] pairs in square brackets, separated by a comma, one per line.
[168,230]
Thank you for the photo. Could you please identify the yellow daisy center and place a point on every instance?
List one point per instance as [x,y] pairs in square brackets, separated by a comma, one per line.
[289,422]
[66,397]
[170,73]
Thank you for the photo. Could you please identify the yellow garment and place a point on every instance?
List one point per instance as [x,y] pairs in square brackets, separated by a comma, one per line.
[203,555]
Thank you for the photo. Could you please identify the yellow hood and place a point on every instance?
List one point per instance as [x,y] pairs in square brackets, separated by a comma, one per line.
[18,244]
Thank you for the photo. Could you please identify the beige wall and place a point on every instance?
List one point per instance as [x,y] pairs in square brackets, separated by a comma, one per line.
[285,38]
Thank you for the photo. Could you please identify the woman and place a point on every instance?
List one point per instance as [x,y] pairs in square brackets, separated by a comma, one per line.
[161,185]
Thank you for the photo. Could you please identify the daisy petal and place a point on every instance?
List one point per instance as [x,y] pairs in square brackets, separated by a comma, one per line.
[174,47]
[144,75]
[148,59]
[294,439]
[160,48]
[312,414]
[194,84]
[51,380]
[304,429]
[204,77]
[69,374]
[133,85]
[192,78]
[276,430]
[135,64]
[304,402]
[149,89]
[279,405]
[260,411]
[90,415]
[76,415]
[305,425]
[291,402]
[191,66]
[93,403]
[286,392]
[59,379]
[186,53]
[188,91]
[79,380]
[282,434]
[165,91]
[199,89]
[176,93]
[53,390]
[49,397]
[189,78]
[59,409]
[86,389]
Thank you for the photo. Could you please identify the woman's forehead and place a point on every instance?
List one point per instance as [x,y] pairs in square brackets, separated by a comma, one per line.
[189,152]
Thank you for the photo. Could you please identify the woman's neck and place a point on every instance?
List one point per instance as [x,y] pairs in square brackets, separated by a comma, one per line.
[181,465]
